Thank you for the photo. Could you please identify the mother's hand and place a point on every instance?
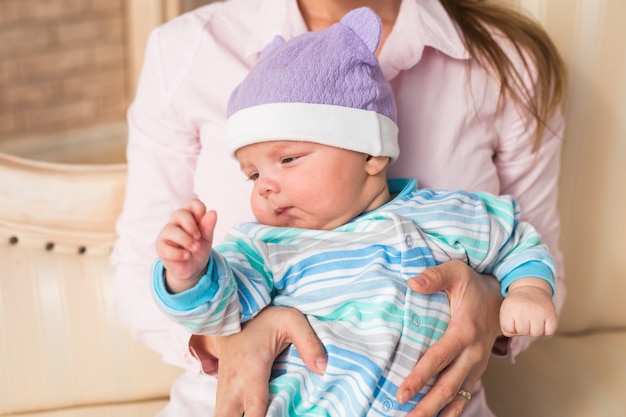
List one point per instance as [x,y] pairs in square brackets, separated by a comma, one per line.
[246,358]
[462,353]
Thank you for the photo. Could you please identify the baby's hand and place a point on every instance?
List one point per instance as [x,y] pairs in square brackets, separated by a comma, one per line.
[528,309]
[184,245]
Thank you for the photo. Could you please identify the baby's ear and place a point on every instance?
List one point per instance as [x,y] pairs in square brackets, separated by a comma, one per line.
[376,164]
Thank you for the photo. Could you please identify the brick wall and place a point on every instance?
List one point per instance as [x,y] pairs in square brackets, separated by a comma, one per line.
[62,65]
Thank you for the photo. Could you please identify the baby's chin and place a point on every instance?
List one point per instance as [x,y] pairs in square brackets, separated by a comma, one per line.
[297,219]
[310,225]
[295,223]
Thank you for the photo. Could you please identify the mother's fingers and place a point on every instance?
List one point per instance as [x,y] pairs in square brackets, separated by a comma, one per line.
[435,360]
[461,374]
[458,365]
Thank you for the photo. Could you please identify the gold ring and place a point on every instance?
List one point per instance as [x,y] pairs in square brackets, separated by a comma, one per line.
[466,394]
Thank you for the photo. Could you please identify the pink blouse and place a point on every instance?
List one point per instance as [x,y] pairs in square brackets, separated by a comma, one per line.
[450,136]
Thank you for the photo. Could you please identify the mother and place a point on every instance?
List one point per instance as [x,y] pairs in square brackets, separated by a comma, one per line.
[479,90]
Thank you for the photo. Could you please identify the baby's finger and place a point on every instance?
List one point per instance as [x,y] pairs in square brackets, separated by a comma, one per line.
[206,225]
[170,252]
[551,326]
[185,220]
[175,236]
[197,209]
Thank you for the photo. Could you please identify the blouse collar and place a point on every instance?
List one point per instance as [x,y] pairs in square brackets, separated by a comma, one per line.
[420,24]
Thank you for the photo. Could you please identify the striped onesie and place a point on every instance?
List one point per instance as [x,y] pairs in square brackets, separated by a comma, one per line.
[350,282]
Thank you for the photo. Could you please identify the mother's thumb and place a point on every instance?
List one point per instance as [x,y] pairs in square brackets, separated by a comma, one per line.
[437,278]
[309,348]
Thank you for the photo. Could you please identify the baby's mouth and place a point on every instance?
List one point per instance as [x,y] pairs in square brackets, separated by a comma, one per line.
[283,211]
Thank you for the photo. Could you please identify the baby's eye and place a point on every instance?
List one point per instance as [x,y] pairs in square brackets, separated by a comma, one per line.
[254,176]
[288,159]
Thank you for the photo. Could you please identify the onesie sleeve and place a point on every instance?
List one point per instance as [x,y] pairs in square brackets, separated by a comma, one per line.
[211,307]
[236,287]
[515,248]
[484,231]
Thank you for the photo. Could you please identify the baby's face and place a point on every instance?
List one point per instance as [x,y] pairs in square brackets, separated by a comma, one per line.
[304,184]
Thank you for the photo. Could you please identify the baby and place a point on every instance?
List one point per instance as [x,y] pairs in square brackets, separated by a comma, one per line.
[313,126]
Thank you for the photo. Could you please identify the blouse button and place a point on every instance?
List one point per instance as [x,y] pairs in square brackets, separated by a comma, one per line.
[415,319]
[409,241]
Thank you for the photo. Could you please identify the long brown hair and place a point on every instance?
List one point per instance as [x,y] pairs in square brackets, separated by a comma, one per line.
[477,20]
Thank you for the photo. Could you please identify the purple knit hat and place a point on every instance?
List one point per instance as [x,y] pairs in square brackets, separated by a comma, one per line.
[324,87]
